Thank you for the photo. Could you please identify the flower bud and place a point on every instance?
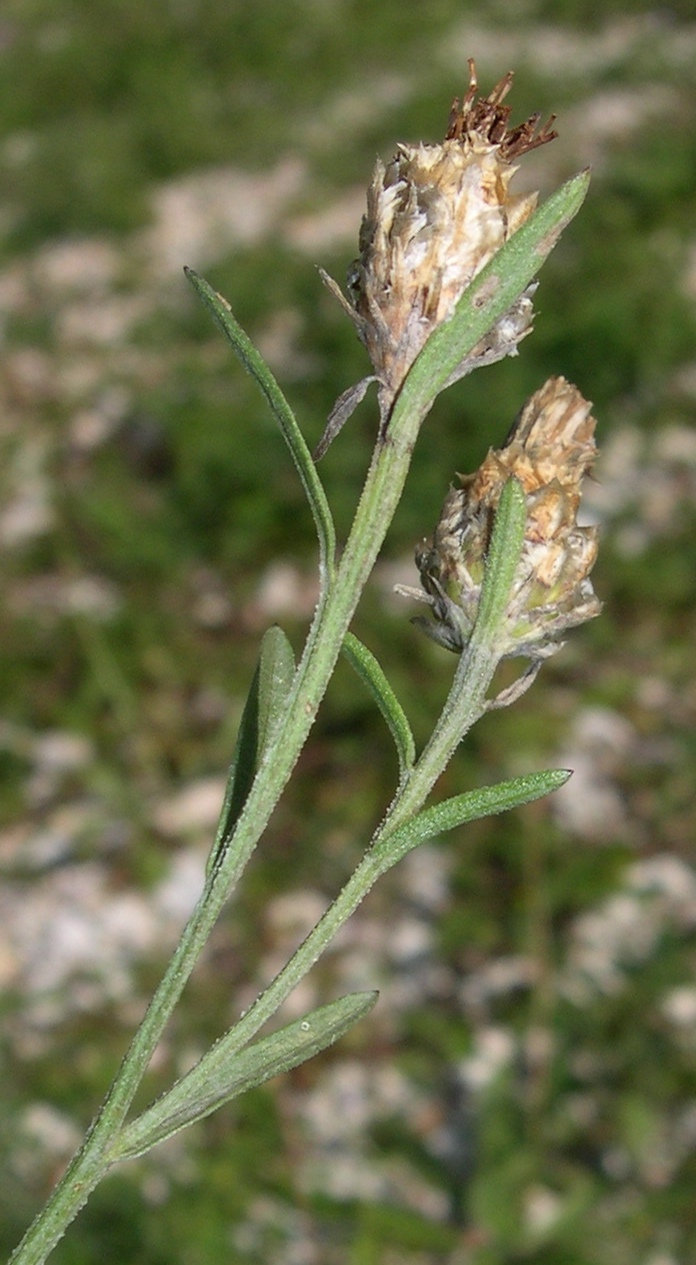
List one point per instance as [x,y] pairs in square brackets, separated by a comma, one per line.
[549,449]
[435,216]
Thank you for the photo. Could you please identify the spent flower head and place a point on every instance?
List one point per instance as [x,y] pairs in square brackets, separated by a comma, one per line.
[549,450]
[435,217]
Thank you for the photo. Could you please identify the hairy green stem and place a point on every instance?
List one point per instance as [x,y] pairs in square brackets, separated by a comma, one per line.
[486,300]
[465,704]
[466,701]
[381,493]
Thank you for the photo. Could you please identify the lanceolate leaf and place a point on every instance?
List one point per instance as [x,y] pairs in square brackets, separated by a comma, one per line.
[485,802]
[370,672]
[502,561]
[264,706]
[255,365]
[223,1074]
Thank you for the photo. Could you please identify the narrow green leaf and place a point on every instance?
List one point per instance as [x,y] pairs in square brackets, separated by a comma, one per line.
[502,561]
[492,292]
[276,672]
[255,365]
[370,672]
[223,1074]
[484,802]
[265,704]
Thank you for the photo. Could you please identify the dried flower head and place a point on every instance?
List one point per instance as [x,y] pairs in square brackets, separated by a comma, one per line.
[435,217]
[549,449]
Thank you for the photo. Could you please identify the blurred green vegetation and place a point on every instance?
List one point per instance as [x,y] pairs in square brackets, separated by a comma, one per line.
[167,487]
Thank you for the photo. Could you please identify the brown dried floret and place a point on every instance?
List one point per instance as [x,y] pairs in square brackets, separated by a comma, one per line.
[435,217]
[549,450]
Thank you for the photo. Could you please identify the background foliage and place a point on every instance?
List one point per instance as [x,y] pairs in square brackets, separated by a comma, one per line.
[525,1090]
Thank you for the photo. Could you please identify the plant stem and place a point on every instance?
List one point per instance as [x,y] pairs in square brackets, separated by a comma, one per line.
[466,702]
[380,496]
[471,682]
[488,297]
